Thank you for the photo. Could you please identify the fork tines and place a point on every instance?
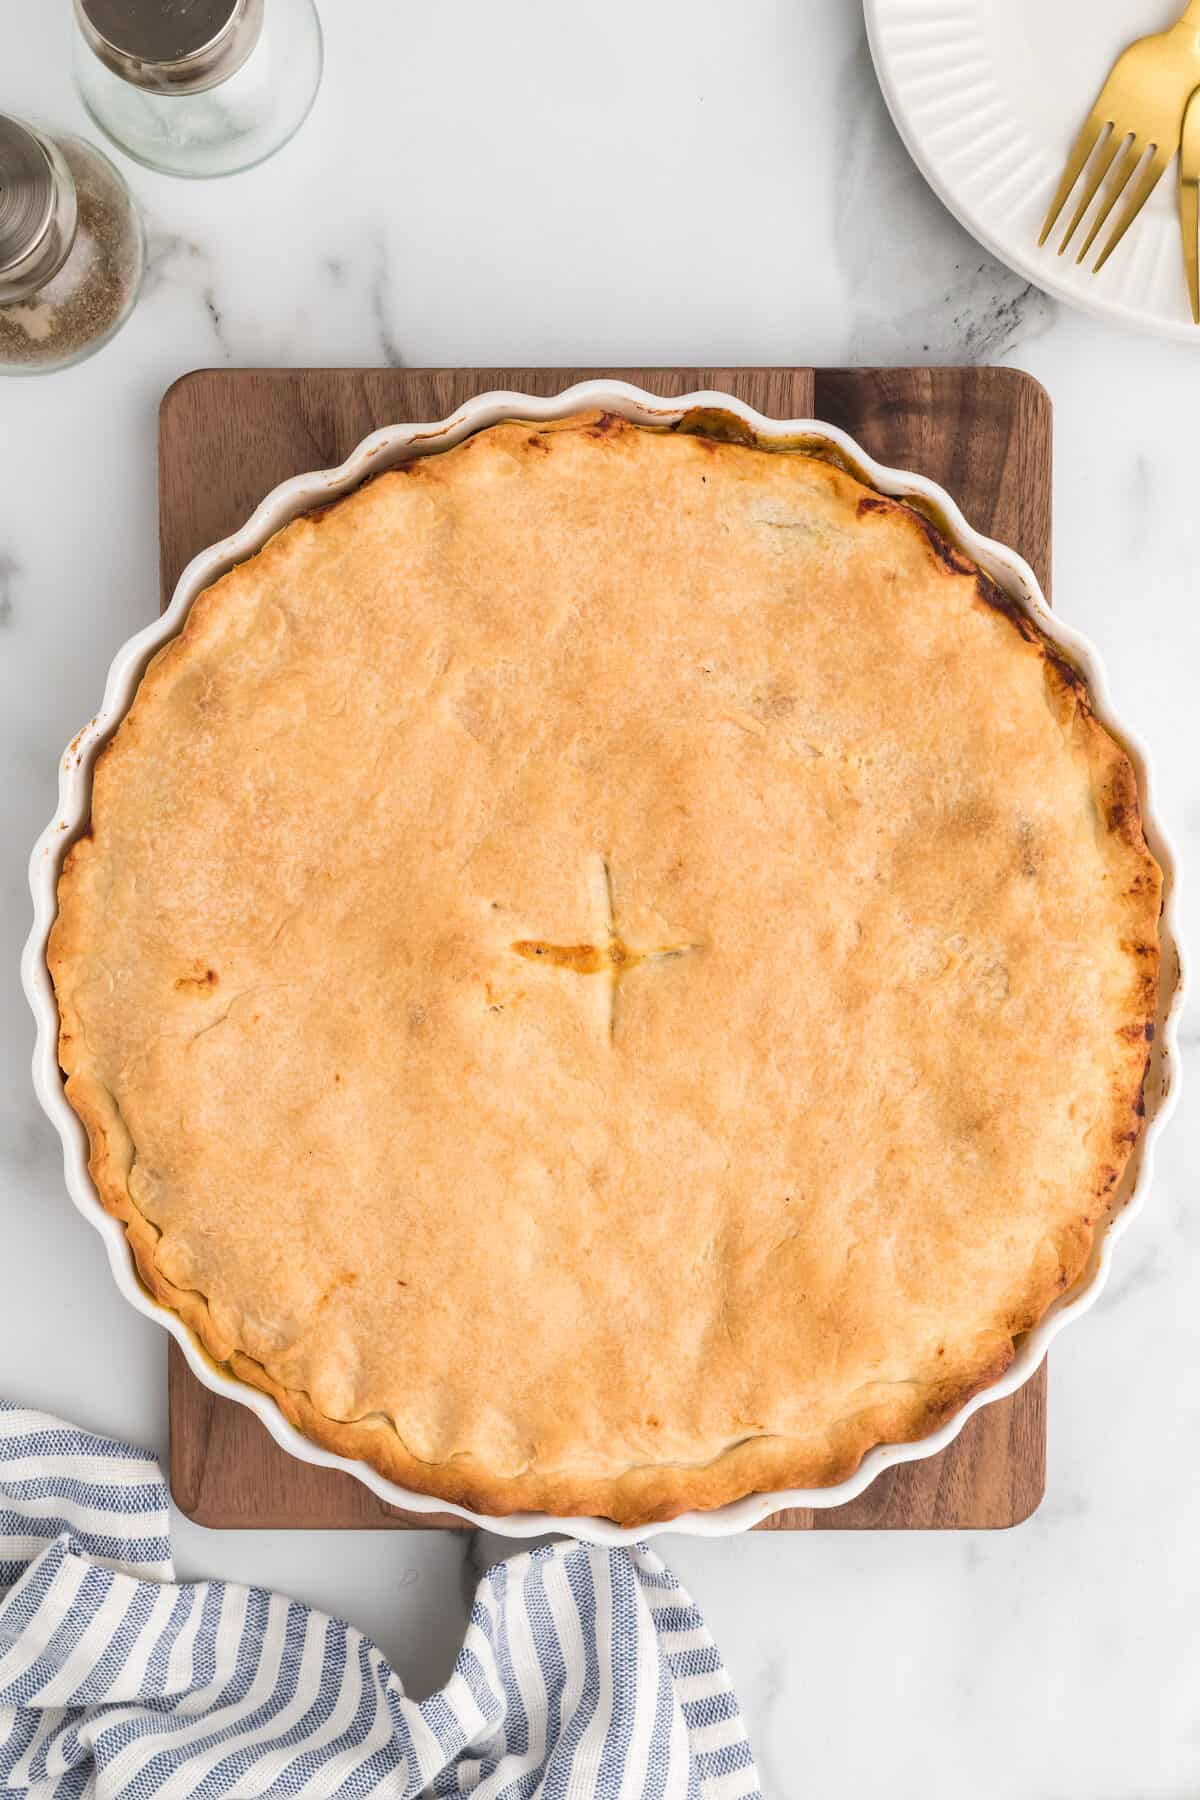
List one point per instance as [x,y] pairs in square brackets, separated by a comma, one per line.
[1132,168]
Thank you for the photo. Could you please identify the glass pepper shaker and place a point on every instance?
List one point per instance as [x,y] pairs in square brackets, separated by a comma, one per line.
[72,249]
[198,87]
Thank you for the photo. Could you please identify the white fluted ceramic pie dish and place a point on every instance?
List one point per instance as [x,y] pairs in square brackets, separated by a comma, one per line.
[307,492]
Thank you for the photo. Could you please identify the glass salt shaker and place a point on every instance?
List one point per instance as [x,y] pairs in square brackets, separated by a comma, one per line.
[72,250]
[198,87]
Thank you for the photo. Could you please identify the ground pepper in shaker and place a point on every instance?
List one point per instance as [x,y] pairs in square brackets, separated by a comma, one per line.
[72,250]
[198,87]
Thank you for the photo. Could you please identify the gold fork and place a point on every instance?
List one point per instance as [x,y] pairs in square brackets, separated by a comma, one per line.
[1136,125]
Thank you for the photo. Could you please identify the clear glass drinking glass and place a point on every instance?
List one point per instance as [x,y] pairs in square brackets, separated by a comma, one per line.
[201,90]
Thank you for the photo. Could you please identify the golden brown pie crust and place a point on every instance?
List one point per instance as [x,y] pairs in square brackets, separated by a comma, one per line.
[610,971]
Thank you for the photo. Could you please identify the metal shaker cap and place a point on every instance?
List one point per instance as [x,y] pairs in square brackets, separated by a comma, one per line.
[171,46]
[37,210]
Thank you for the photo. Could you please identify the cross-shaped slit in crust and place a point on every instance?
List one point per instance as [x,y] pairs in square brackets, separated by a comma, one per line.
[614,958]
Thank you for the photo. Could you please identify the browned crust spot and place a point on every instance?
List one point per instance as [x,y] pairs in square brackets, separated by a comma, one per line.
[201,983]
[946,553]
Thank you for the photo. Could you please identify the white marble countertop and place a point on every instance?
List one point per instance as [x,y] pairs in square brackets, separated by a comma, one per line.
[686,182]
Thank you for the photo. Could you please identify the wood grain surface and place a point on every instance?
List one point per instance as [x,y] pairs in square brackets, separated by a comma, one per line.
[227,436]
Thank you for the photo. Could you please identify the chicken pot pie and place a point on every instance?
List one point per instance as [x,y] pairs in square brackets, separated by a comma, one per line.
[610,970]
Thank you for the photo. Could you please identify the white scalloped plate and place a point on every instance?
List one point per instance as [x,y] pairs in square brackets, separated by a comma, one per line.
[988,99]
[306,492]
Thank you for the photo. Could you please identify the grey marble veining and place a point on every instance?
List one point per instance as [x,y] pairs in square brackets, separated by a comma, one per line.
[936,295]
[382,291]
[10,569]
[687,182]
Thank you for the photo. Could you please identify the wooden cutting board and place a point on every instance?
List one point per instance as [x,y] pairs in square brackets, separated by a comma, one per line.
[227,436]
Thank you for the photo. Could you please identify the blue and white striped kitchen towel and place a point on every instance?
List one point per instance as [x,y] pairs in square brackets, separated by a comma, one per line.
[585,1674]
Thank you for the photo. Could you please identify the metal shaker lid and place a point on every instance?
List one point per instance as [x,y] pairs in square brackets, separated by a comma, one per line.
[37,210]
[171,46]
